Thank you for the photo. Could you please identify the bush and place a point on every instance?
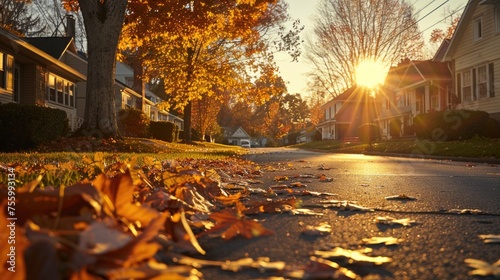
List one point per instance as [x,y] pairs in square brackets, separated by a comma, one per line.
[195,135]
[166,131]
[369,132]
[452,125]
[27,126]
[133,123]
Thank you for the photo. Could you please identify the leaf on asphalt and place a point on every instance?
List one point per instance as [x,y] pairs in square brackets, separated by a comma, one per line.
[262,264]
[382,240]
[400,197]
[324,178]
[306,212]
[465,211]
[311,193]
[231,224]
[271,206]
[353,256]
[229,199]
[318,268]
[490,238]
[345,205]
[154,270]
[319,230]
[482,268]
[392,221]
[281,178]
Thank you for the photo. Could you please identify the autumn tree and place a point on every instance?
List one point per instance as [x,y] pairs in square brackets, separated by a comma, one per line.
[438,35]
[17,16]
[188,44]
[347,32]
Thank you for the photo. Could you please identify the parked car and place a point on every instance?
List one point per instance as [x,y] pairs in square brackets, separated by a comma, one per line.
[245,143]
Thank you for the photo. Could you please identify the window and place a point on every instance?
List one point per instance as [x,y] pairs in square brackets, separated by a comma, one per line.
[466,86]
[476,83]
[478,29]
[6,71]
[482,82]
[52,88]
[61,91]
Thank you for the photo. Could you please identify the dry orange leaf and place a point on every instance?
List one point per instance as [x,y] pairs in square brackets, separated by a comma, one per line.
[233,225]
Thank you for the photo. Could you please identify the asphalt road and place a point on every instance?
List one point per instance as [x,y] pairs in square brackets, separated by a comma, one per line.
[434,247]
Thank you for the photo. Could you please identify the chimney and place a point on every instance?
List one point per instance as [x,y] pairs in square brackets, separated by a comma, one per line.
[70,26]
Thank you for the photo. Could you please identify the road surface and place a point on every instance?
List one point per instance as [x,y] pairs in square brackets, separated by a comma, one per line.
[434,247]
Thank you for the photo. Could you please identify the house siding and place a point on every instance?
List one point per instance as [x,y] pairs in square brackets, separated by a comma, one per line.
[473,53]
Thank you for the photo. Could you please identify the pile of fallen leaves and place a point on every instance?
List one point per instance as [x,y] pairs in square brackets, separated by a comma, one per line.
[115,225]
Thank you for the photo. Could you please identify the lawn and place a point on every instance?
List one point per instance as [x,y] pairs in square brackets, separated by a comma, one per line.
[68,161]
[475,148]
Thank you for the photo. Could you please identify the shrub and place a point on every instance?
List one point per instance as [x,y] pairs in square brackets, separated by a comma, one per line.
[27,126]
[369,132]
[195,135]
[451,125]
[165,131]
[133,123]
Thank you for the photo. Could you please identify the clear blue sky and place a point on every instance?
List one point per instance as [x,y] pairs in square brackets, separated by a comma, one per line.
[295,72]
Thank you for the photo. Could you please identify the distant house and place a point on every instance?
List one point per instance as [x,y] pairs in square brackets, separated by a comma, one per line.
[235,135]
[412,88]
[345,113]
[475,56]
[30,75]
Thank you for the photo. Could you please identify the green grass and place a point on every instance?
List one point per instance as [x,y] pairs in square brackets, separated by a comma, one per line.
[476,148]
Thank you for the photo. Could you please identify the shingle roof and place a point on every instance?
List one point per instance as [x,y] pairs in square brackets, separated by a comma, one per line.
[54,46]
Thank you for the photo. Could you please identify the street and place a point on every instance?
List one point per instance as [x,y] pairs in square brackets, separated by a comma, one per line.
[442,195]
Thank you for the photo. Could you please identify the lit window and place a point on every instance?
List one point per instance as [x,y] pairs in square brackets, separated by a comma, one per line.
[478,29]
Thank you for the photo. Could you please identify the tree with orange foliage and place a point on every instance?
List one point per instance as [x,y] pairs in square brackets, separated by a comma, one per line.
[198,46]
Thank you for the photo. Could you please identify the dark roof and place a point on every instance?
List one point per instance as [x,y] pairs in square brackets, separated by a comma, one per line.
[441,52]
[419,71]
[54,46]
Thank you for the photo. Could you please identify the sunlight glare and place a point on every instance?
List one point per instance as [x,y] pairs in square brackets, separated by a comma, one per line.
[370,73]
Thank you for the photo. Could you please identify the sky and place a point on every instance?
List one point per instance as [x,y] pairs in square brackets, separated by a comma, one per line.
[294,73]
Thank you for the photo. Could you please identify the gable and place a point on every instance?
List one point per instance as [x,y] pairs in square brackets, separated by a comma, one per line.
[240,133]
[54,46]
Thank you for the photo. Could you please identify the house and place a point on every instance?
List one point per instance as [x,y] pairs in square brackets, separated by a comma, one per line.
[345,113]
[49,71]
[412,88]
[475,56]
[28,75]
[236,135]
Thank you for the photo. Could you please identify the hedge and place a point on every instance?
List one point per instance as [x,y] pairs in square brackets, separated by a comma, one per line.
[166,131]
[27,126]
[133,123]
[454,125]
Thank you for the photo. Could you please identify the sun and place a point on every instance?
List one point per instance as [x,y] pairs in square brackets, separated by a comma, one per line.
[370,73]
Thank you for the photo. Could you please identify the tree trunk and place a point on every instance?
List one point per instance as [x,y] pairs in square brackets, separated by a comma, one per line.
[103,22]
[188,107]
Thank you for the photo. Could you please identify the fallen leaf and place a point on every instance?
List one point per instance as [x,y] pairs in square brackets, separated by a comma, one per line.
[321,229]
[465,211]
[382,240]
[392,221]
[262,264]
[232,225]
[303,211]
[352,256]
[400,197]
[318,268]
[490,238]
[482,268]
